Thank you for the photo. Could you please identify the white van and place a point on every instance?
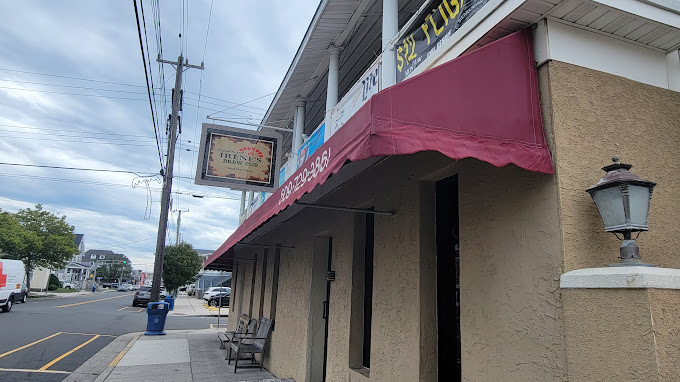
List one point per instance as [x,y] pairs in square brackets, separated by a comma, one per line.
[11,278]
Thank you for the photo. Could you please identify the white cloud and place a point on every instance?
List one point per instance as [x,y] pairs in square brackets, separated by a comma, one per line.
[248,53]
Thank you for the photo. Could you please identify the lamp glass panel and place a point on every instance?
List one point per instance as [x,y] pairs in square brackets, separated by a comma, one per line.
[610,204]
[639,204]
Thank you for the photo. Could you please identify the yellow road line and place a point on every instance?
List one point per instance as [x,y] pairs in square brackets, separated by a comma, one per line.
[140,310]
[87,302]
[120,355]
[68,353]
[31,344]
[37,371]
[90,334]
[125,307]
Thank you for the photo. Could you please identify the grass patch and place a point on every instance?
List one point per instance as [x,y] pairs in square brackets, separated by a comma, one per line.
[65,290]
[39,295]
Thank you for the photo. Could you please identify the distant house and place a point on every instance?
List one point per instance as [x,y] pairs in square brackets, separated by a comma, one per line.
[102,257]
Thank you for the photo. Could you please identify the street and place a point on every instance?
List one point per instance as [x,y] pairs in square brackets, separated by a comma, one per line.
[47,338]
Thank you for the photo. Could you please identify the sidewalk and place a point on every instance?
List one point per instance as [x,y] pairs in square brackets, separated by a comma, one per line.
[192,306]
[180,355]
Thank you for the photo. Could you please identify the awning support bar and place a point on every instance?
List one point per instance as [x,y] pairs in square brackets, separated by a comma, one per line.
[350,209]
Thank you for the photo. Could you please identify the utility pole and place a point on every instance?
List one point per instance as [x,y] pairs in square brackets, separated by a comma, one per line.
[179,220]
[180,66]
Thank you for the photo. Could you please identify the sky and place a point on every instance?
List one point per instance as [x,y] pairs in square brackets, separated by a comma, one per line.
[73,94]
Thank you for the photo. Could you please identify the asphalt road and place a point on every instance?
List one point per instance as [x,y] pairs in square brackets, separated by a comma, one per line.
[45,339]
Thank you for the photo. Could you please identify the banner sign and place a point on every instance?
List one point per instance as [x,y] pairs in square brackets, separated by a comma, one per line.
[434,30]
[238,158]
[356,97]
[311,144]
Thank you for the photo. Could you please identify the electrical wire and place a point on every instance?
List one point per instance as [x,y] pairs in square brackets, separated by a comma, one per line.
[71,78]
[153,93]
[148,88]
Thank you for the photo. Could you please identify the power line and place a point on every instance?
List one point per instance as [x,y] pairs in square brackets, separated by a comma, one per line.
[71,78]
[75,168]
[71,86]
[148,88]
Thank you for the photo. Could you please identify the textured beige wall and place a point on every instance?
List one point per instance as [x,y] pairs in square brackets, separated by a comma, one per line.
[610,336]
[510,266]
[596,115]
[288,356]
[665,306]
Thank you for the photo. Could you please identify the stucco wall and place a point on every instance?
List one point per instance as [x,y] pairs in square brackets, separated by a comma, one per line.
[289,340]
[596,115]
[665,307]
[510,266]
[610,336]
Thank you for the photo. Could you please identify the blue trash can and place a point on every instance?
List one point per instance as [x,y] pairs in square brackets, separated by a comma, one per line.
[156,313]
[170,300]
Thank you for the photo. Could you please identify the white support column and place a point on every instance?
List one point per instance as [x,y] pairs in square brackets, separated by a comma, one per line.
[298,129]
[251,195]
[332,89]
[390,28]
[243,201]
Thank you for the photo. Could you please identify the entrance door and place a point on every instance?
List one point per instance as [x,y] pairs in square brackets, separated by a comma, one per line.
[319,308]
[448,280]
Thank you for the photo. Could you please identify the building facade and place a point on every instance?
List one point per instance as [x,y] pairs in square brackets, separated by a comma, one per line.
[441,242]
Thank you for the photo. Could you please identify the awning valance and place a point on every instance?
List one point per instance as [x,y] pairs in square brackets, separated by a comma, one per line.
[484,105]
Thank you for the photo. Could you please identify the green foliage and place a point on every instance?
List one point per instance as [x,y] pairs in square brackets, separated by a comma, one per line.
[53,283]
[113,271]
[180,265]
[37,237]
[65,290]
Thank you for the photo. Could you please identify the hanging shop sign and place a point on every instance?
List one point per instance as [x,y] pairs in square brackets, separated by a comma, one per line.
[238,158]
[356,97]
[436,27]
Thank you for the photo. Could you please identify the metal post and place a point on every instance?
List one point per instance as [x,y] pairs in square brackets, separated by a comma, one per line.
[219,306]
[179,220]
[390,28]
[167,177]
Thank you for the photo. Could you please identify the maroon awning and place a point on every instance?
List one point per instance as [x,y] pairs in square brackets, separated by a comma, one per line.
[484,105]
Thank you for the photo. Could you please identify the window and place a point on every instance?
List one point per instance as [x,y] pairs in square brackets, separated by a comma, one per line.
[102,257]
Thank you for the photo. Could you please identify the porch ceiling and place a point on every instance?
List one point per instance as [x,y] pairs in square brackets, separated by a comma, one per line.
[336,22]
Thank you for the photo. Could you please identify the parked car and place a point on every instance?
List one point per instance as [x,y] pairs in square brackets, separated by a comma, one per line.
[68,285]
[220,297]
[143,296]
[135,287]
[215,290]
[12,274]
[114,285]
[125,288]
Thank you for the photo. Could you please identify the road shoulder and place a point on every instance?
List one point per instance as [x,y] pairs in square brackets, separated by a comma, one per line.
[98,365]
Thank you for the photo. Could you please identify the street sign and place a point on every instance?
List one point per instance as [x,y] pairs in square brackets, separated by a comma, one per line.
[99,278]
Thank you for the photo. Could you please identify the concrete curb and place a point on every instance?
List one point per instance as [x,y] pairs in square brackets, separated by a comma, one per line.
[97,367]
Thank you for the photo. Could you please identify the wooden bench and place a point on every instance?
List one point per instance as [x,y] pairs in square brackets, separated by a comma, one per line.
[253,344]
[246,325]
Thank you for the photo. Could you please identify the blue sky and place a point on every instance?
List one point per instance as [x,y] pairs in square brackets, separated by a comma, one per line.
[73,94]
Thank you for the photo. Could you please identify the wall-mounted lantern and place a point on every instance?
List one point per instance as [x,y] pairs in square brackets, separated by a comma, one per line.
[622,199]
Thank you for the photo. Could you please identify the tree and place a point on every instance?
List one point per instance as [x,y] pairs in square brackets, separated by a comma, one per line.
[53,282]
[38,238]
[181,265]
[115,270]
